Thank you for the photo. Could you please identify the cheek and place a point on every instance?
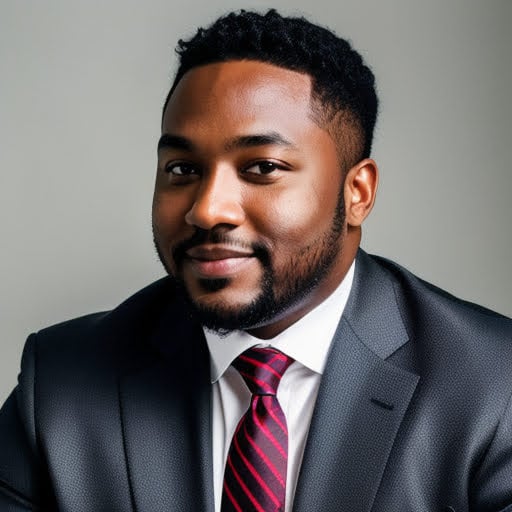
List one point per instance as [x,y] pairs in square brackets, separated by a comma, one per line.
[168,214]
[297,218]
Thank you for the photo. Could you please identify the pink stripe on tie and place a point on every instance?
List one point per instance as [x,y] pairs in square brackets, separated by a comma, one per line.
[276,418]
[263,366]
[231,498]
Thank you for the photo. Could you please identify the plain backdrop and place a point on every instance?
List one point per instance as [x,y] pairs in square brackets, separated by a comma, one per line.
[81,89]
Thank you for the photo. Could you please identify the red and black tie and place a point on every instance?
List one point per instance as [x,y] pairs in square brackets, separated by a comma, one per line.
[255,474]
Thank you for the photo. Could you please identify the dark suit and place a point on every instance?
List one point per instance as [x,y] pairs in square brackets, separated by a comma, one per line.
[112,412]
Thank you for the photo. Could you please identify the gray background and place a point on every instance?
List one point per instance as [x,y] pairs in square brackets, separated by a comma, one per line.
[81,88]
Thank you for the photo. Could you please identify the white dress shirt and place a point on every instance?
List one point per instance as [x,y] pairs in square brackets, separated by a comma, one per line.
[307,341]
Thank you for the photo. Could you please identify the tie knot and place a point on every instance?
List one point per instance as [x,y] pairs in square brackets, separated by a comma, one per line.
[262,369]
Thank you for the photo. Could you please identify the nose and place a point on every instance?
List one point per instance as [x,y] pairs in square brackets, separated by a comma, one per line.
[218,201]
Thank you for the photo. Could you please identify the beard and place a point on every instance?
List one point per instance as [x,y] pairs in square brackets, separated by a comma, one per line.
[278,291]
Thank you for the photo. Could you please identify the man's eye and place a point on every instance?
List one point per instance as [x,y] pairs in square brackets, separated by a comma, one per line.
[181,169]
[264,167]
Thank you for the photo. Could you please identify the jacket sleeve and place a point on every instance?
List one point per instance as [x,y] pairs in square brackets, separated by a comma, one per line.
[24,484]
[493,480]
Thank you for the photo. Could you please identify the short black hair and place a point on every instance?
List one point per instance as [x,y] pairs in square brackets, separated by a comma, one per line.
[341,81]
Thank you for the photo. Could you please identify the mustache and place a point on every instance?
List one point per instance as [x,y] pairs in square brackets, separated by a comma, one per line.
[203,236]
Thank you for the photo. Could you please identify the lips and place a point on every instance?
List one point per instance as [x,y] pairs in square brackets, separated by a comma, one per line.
[215,261]
[213,252]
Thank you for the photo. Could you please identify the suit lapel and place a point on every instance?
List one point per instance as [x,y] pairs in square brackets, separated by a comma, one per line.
[166,415]
[361,401]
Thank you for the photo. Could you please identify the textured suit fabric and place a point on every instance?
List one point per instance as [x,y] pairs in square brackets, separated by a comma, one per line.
[112,411]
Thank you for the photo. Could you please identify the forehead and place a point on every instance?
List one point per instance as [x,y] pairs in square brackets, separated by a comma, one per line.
[217,96]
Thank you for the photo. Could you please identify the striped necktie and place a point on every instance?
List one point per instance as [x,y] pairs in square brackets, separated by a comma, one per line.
[255,474]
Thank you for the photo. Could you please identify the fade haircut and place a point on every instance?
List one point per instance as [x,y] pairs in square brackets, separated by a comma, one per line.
[343,87]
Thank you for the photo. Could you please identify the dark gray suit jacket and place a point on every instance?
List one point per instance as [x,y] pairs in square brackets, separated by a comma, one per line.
[112,411]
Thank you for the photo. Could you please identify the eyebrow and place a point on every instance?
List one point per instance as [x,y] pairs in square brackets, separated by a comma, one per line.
[171,141]
[174,142]
[258,139]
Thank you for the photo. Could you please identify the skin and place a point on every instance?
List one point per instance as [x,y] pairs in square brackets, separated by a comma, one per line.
[248,191]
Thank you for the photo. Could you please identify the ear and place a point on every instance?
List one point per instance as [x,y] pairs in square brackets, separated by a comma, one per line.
[360,190]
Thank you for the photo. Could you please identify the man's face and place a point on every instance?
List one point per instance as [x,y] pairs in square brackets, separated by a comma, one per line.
[248,206]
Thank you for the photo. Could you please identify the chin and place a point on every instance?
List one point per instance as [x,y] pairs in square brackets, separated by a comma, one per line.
[224,313]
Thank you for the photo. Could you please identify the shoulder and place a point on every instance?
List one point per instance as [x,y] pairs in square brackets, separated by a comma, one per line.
[131,313]
[445,336]
[384,291]
[428,302]
[452,344]
[98,345]
[134,316]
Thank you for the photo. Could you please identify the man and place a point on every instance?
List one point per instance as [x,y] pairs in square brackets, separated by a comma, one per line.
[380,392]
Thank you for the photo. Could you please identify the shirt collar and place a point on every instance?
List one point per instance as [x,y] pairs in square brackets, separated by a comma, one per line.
[305,341]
